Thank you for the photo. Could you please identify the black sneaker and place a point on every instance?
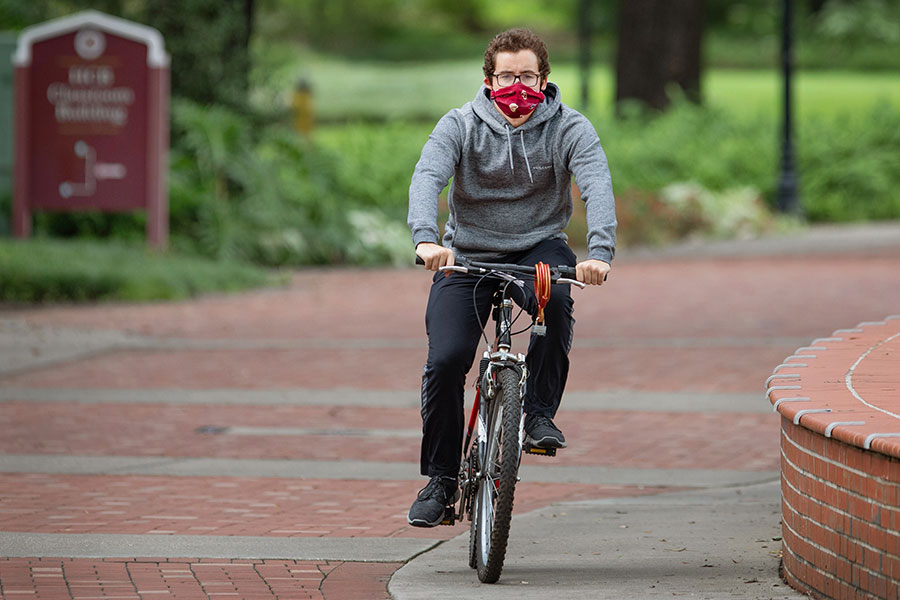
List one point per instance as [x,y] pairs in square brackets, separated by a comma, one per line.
[432,501]
[542,433]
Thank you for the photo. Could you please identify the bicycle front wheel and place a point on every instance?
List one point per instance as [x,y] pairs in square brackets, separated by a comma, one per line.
[499,463]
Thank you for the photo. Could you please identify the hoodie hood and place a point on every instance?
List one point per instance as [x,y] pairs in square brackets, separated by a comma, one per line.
[483,106]
[487,112]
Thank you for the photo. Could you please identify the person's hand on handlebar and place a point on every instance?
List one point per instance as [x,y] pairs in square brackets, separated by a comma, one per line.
[592,271]
[434,255]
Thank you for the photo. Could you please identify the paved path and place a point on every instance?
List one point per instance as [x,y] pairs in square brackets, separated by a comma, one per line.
[717,542]
[265,445]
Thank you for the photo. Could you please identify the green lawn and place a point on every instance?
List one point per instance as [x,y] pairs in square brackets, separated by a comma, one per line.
[821,93]
[358,90]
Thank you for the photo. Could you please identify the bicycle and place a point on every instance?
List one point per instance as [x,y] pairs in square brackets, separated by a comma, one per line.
[489,469]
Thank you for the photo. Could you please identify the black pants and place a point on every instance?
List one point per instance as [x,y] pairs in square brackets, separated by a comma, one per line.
[452,324]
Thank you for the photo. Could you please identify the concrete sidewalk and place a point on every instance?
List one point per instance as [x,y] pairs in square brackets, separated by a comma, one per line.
[711,543]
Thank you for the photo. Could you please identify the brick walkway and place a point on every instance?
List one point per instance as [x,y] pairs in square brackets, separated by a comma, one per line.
[661,327]
[190,578]
[711,441]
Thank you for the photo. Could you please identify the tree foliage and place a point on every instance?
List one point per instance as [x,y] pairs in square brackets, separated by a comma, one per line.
[210,63]
[208,40]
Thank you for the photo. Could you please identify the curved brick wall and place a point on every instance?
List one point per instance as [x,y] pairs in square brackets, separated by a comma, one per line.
[839,399]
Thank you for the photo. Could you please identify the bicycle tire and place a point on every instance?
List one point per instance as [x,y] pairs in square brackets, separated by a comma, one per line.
[473,562]
[496,489]
[472,467]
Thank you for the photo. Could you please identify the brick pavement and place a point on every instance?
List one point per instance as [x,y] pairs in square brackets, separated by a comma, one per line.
[187,578]
[695,441]
[720,369]
[719,329]
[164,505]
[704,297]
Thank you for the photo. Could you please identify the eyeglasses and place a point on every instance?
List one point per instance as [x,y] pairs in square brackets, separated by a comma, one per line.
[527,78]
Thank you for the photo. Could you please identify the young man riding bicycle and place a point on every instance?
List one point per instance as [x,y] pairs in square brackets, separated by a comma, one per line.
[511,153]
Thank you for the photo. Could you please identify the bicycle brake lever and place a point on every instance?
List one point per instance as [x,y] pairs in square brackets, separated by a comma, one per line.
[455,269]
[571,281]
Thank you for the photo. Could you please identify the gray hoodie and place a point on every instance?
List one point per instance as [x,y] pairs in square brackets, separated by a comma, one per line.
[512,185]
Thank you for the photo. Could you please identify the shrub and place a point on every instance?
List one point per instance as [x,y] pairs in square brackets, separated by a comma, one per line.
[849,166]
[844,162]
[688,210]
[844,166]
[275,198]
[43,270]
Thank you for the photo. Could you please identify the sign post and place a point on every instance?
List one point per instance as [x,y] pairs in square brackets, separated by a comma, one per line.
[92,98]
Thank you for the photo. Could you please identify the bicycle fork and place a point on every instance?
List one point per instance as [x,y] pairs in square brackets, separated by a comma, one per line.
[480,421]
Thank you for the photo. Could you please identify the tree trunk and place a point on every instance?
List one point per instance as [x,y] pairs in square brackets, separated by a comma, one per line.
[659,45]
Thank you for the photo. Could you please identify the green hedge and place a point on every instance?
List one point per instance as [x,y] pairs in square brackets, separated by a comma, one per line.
[845,161]
[41,270]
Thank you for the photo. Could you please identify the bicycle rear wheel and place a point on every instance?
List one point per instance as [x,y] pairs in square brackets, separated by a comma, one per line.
[499,466]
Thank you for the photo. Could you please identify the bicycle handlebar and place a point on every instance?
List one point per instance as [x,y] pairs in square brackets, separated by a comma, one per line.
[559,274]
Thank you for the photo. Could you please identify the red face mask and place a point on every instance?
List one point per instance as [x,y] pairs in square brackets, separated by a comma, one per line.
[517,100]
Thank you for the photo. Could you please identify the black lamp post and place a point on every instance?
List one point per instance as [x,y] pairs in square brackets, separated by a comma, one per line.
[787,182]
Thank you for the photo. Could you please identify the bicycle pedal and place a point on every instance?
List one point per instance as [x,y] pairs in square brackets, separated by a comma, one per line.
[449,516]
[529,449]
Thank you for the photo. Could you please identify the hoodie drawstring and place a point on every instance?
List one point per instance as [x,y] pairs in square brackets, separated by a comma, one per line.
[524,151]
[509,146]
[525,154]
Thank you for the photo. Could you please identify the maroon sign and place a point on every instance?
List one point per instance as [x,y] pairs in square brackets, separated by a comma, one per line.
[92,120]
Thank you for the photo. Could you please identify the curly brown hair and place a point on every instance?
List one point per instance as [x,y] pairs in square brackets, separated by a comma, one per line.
[514,40]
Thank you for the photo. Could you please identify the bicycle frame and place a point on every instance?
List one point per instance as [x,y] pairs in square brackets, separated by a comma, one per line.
[485,391]
[499,357]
